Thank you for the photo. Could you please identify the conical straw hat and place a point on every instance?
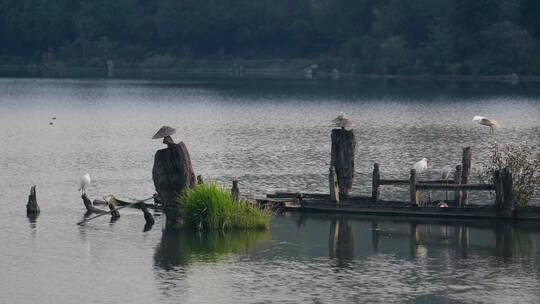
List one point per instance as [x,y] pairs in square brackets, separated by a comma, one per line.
[343,122]
[164,132]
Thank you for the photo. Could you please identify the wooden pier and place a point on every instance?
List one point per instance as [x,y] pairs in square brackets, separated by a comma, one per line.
[458,207]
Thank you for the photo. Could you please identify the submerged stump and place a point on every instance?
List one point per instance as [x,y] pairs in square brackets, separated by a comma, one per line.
[172,172]
[343,150]
[32,206]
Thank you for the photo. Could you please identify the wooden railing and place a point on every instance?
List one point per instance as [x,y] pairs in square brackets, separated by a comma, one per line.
[502,185]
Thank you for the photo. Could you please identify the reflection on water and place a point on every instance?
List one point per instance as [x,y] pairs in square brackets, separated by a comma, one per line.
[182,247]
[384,260]
[341,240]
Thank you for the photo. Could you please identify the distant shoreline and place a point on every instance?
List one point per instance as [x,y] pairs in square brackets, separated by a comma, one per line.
[33,70]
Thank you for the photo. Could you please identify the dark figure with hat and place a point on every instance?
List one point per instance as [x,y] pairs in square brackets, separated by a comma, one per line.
[172,173]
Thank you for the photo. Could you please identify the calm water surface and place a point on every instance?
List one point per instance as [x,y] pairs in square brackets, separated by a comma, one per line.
[271,135]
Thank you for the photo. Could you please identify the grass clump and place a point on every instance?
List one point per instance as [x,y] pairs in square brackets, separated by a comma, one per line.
[208,207]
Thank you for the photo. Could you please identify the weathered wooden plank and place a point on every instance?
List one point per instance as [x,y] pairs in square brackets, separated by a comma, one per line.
[412,188]
[406,182]
[375,184]
[480,187]
[457,180]
[466,163]
[333,185]
[394,182]
[498,187]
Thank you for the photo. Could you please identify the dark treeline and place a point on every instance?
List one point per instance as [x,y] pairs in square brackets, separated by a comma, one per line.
[364,36]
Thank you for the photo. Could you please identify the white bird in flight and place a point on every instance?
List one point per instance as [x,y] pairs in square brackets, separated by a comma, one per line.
[420,166]
[85,181]
[492,124]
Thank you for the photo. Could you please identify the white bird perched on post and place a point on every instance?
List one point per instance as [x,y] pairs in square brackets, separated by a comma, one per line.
[420,166]
[85,181]
[487,122]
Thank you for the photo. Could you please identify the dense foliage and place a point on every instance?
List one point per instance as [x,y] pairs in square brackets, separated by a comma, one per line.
[208,207]
[363,36]
[524,164]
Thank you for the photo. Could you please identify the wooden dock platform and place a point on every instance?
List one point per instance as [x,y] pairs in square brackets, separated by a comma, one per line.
[322,203]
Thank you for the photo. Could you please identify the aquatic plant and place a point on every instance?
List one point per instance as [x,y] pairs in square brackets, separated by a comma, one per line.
[523,162]
[208,207]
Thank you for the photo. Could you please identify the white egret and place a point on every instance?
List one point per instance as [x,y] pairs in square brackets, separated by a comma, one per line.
[343,122]
[420,166]
[445,172]
[492,124]
[85,181]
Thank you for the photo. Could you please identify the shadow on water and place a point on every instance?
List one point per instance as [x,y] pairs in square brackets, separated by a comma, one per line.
[183,247]
[32,218]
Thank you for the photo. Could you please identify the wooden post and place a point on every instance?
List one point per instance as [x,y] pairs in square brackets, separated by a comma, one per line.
[375,187]
[235,191]
[457,181]
[342,159]
[412,188]
[508,198]
[148,217]
[466,163]
[497,184]
[32,206]
[333,184]
[115,214]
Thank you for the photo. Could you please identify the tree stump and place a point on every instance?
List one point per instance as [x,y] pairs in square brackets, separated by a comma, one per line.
[90,207]
[235,191]
[115,214]
[32,206]
[148,217]
[172,172]
[343,150]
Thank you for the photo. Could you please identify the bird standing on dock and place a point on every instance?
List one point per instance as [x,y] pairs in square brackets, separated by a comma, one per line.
[85,181]
[343,122]
[445,172]
[420,166]
[492,124]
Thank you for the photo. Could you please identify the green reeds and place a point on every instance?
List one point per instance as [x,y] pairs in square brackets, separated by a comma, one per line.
[208,207]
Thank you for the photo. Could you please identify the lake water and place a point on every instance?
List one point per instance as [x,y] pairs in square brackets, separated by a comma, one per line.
[270,135]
